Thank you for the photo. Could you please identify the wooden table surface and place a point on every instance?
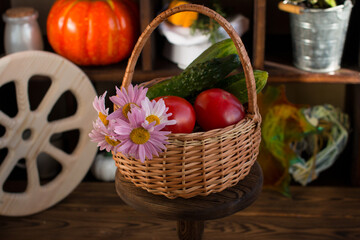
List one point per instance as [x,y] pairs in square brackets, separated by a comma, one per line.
[94,211]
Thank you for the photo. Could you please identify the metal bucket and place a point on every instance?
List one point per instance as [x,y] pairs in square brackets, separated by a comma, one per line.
[318,37]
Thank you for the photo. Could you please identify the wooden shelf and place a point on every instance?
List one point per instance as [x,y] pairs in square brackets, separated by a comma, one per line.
[283,73]
[115,72]
[278,73]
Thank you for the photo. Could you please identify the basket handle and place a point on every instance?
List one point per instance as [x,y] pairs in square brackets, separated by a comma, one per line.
[244,58]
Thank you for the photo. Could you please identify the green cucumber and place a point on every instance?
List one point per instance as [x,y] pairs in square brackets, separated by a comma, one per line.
[195,79]
[236,84]
[217,50]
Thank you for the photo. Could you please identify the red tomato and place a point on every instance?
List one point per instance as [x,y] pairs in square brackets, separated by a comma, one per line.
[217,108]
[182,111]
[93,32]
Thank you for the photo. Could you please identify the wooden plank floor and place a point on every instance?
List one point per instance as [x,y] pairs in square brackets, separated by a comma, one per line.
[94,211]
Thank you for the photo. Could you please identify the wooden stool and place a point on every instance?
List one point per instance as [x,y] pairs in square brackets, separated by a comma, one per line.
[191,213]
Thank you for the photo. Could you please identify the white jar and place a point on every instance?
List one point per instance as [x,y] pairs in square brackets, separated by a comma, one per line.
[22,31]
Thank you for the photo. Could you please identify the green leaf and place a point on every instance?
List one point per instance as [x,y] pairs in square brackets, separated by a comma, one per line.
[331,3]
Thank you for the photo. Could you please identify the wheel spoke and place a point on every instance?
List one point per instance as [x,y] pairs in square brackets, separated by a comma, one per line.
[32,176]
[6,121]
[62,157]
[3,142]
[8,165]
[22,96]
[51,96]
[65,124]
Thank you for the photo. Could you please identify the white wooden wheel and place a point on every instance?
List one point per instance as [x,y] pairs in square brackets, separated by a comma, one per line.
[65,76]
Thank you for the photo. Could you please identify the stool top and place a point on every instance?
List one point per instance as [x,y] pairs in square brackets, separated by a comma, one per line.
[213,206]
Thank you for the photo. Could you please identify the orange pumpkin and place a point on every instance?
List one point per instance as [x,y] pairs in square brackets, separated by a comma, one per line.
[94,32]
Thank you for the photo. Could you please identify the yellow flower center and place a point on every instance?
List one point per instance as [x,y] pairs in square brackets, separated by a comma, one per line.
[153,118]
[126,109]
[139,135]
[103,118]
[111,142]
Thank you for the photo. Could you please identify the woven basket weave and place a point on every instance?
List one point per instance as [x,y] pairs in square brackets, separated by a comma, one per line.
[198,163]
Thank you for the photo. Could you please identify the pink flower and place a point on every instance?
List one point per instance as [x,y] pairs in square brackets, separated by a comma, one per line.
[99,105]
[126,99]
[103,132]
[156,111]
[135,128]
[104,136]
[139,138]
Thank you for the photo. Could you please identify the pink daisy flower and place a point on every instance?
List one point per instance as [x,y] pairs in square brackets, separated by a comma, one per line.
[139,138]
[104,136]
[126,99]
[99,105]
[155,111]
[103,132]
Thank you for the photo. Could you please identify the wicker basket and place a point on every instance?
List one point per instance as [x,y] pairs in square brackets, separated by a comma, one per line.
[198,163]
